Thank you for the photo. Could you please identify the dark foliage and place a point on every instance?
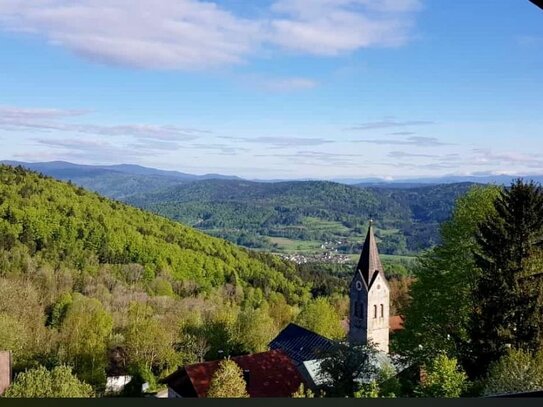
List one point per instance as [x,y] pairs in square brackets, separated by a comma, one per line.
[509,293]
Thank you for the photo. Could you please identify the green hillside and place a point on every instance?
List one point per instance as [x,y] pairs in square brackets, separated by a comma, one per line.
[63,225]
[302,216]
[99,286]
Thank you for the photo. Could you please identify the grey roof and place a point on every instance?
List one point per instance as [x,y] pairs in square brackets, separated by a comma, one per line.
[369,265]
[301,344]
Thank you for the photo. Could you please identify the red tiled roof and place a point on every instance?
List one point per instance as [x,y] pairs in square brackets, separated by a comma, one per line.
[395,323]
[271,374]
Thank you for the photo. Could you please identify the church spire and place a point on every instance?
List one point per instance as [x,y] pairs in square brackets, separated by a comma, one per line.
[369,298]
[369,262]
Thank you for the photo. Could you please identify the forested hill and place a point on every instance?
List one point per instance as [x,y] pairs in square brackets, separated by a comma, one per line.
[114,181]
[286,216]
[61,225]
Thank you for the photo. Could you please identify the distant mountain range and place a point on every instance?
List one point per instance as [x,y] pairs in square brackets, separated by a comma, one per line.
[66,170]
[279,216]
[115,181]
[284,216]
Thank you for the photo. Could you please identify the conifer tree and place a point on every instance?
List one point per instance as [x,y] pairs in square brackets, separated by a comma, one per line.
[228,381]
[510,289]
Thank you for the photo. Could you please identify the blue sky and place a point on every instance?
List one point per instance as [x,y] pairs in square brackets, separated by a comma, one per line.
[277,88]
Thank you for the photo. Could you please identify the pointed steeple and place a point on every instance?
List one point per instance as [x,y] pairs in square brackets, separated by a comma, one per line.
[369,262]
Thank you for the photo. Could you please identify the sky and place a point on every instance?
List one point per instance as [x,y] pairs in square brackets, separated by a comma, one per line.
[275,89]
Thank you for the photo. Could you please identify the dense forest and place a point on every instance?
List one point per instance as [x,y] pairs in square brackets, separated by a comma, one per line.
[281,217]
[82,277]
[255,214]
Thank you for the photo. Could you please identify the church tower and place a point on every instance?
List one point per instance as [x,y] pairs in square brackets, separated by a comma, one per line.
[369,296]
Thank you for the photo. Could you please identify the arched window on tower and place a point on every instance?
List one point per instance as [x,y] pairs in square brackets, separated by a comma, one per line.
[375,311]
[361,312]
[356,314]
[382,311]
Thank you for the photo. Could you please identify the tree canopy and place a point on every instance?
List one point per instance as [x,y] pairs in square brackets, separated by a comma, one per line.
[509,293]
[438,316]
[39,382]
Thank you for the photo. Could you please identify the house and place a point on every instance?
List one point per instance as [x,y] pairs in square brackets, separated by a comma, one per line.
[268,374]
[117,376]
[301,344]
[305,348]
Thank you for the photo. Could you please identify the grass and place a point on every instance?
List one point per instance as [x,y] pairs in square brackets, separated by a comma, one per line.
[290,245]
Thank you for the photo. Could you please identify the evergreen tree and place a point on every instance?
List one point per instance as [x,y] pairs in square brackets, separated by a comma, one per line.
[510,289]
[228,382]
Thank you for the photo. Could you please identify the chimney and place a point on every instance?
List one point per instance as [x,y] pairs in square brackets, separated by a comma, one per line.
[247,376]
[5,370]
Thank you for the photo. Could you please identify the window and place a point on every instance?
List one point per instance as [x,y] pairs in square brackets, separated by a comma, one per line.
[375,311]
[382,311]
[361,310]
[356,313]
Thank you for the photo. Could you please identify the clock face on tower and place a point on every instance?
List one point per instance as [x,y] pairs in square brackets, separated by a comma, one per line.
[358,285]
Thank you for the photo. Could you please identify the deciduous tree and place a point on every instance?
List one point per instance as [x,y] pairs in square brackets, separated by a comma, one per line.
[59,382]
[321,317]
[516,371]
[443,378]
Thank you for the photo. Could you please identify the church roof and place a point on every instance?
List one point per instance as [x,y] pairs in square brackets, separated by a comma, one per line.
[301,344]
[369,262]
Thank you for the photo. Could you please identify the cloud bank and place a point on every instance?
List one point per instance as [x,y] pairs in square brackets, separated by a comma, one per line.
[193,34]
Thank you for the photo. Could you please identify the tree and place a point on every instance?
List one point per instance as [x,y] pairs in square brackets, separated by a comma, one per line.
[509,292]
[39,382]
[303,393]
[443,379]
[149,344]
[255,329]
[227,381]
[84,334]
[321,317]
[516,371]
[22,322]
[389,384]
[346,367]
[368,391]
[438,316]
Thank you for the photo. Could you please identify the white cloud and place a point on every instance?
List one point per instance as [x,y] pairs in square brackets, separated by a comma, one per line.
[164,34]
[13,118]
[417,141]
[193,34]
[331,27]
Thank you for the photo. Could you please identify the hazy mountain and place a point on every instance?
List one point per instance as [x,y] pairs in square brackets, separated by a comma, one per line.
[452,179]
[115,181]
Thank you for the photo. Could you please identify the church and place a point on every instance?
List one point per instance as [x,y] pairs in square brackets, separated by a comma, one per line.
[293,356]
